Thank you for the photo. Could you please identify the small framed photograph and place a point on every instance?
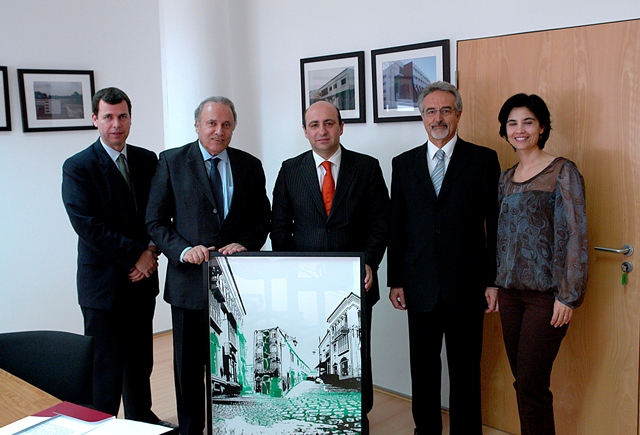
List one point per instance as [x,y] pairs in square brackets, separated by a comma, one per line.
[400,73]
[338,79]
[55,99]
[5,110]
[285,340]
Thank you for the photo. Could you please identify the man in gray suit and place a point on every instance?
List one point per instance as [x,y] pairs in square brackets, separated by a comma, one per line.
[331,199]
[205,196]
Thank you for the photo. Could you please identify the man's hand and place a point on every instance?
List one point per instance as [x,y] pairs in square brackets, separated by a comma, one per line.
[232,248]
[491,295]
[368,277]
[396,296]
[145,266]
[197,254]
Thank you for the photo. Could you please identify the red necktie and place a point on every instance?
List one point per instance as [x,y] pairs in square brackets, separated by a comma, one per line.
[328,186]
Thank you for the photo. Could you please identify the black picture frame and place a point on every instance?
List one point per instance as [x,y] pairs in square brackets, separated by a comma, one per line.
[337,78]
[5,107]
[399,73]
[55,100]
[285,332]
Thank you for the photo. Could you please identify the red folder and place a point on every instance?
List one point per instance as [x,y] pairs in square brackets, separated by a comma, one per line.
[74,411]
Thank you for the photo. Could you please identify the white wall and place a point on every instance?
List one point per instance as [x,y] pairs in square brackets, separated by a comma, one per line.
[170,55]
[198,39]
[289,30]
[119,41]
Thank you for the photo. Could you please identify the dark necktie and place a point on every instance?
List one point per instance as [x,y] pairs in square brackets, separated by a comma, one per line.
[216,184]
[121,162]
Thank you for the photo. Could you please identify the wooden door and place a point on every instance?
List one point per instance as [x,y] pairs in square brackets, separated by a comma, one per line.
[590,79]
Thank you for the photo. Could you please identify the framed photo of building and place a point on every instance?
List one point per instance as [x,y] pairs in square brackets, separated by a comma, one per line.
[400,73]
[5,110]
[55,99]
[338,79]
[285,334]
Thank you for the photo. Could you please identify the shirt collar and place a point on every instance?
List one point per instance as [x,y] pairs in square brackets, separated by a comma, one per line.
[336,158]
[447,148]
[113,154]
[224,156]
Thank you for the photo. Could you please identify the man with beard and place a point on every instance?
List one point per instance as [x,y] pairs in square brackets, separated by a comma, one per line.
[441,259]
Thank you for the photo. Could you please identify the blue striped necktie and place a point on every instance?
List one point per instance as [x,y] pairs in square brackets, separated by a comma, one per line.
[438,172]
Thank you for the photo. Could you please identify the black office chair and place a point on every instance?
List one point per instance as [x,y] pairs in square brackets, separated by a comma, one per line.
[60,363]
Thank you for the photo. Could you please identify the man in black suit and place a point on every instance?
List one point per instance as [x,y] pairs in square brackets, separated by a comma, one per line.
[205,196]
[441,261]
[353,218]
[105,189]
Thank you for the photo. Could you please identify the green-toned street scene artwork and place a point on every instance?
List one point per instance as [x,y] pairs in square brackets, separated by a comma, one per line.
[285,345]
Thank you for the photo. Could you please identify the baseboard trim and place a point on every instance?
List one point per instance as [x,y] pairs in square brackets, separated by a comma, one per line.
[392,393]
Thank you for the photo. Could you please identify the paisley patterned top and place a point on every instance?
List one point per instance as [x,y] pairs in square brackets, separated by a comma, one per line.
[542,232]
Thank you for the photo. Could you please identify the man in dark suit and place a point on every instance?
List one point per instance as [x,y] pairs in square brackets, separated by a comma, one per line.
[351,217]
[442,259]
[105,189]
[205,196]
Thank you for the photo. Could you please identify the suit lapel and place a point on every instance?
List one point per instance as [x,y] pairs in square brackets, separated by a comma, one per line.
[421,170]
[134,170]
[109,168]
[345,178]
[458,161]
[238,174]
[309,175]
[195,163]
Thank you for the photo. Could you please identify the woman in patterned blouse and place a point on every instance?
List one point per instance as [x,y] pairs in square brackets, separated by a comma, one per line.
[542,256]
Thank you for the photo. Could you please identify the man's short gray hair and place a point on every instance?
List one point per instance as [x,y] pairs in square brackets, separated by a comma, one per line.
[217,99]
[440,86]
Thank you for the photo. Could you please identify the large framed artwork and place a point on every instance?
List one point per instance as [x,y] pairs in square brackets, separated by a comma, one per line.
[285,334]
[5,110]
[400,73]
[338,79]
[55,99]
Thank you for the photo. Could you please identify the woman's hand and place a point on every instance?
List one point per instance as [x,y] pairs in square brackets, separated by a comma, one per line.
[562,314]
[491,295]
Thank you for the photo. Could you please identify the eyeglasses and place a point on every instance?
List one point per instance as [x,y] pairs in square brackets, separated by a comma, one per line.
[444,111]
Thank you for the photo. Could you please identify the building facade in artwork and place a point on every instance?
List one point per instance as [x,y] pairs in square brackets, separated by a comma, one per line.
[339,351]
[230,370]
[402,82]
[276,364]
[340,91]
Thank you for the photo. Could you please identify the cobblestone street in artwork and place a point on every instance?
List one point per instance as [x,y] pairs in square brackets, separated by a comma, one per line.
[309,409]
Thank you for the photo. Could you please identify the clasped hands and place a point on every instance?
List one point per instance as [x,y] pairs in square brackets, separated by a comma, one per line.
[146,264]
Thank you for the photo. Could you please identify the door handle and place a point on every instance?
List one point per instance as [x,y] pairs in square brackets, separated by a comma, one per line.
[626,250]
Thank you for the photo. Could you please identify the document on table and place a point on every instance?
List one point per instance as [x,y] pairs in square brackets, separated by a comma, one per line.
[63,425]
[58,425]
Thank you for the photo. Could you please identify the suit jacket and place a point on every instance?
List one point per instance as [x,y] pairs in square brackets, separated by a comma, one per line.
[180,215]
[438,244]
[109,219]
[357,221]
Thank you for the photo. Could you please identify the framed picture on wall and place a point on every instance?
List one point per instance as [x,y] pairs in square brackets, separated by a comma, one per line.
[55,99]
[337,78]
[5,110]
[285,332]
[400,73]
